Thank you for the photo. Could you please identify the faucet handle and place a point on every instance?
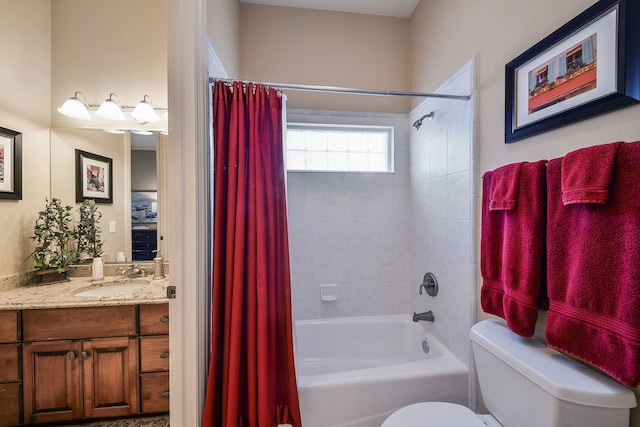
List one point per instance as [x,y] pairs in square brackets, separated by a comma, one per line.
[430,284]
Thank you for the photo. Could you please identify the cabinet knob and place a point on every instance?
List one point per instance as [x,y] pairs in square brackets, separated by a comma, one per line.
[164,394]
[84,355]
[164,355]
[164,319]
[72,355]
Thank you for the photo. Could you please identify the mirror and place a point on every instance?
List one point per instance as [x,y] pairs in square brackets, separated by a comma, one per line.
[134,222]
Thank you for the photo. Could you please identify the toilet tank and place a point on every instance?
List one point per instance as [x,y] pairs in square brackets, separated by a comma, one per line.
[524,383]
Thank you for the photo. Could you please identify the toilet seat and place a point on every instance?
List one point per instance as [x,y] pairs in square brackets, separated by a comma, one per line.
[433,414]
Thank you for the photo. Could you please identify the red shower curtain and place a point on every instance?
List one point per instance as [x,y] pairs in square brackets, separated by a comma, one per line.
[252,379]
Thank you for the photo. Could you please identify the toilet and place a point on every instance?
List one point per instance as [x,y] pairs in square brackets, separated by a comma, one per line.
[524,383]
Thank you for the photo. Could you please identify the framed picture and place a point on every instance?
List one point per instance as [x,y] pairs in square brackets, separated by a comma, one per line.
[589,66]
[144,207]
[94,177]
[10,164]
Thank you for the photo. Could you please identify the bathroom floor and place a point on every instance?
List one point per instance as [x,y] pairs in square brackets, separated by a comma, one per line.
[136,422]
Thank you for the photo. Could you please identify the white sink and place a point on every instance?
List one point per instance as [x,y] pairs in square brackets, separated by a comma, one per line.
[113,288]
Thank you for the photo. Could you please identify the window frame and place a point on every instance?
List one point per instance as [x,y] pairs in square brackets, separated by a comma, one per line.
[389,130]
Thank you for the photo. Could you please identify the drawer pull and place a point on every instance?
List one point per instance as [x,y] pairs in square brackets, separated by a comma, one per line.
[164,394]
[72,355]
[84,355]
[164,355]
[164,319]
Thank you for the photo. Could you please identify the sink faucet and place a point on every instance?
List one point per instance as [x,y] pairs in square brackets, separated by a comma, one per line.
[134,271]
[427,316]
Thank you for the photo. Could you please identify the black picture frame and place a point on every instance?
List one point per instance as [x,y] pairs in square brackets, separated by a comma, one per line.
[10,164]
[94,177]
[621,65]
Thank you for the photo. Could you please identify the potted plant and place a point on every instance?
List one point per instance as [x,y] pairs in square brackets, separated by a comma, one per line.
[52,235]
[87,231]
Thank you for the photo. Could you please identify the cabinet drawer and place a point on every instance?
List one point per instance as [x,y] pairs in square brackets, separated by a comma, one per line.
[154,319]
[10,404]
[154,392]
[76,323]
[144,235]
[9,362]
[154,354]
[9,330]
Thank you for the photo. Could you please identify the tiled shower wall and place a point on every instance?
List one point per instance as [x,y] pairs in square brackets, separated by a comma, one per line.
[376,234]
[441,214]
[351,229]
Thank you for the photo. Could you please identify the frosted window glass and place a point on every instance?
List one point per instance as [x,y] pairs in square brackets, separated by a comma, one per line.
[358,143]
[317,141]
[296,159]
[338,141]
[337,161]
[378,142]
[377,161]
[358,162]
[295,140]
[316,160]
[320,147]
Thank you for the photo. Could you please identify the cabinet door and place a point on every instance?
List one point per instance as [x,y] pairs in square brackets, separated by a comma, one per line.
[52,372]
[110,377]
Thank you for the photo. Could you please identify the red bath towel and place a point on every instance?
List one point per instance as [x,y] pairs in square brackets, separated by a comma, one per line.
[512,245]
[586,174]
[593,261]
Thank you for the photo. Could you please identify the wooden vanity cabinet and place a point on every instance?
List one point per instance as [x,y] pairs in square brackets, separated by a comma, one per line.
[79,363]
[154,358]
[10,377]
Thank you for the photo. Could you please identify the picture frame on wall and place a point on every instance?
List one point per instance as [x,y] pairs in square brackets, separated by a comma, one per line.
[10,164]
[94,177]
[587,67]
[144,207]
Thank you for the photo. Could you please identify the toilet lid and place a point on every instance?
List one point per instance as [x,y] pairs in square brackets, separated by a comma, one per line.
[433,414]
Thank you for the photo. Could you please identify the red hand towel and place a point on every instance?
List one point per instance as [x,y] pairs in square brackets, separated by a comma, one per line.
[503,195]
[512,247]
[593,260]
[586,174]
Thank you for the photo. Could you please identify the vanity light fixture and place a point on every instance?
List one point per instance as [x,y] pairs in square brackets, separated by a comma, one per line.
[110,109]
[75,107]
[144,111]
[115,131]
[142,132]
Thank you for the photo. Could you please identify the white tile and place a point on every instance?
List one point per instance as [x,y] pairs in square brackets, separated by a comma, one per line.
[438,157]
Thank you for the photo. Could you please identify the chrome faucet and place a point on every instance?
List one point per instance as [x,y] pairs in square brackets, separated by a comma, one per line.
[134,271]
[427,316]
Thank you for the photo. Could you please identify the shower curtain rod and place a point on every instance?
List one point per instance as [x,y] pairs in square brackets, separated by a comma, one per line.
[351,91]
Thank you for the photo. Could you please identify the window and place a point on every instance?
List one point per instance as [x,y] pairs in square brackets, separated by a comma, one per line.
[338,148]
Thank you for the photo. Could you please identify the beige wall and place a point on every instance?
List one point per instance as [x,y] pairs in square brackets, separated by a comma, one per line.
[99,47]
[25,32]
[223,28]
[447,33]
[290,45]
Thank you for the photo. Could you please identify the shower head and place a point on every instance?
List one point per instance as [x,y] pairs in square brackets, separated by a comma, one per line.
[416,125]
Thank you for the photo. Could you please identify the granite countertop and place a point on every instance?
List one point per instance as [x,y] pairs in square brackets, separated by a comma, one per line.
[113,290]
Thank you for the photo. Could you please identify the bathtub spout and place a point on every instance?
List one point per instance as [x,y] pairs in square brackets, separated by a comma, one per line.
[427,316]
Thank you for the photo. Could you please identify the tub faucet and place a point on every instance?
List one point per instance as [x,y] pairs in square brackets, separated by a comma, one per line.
[427,316]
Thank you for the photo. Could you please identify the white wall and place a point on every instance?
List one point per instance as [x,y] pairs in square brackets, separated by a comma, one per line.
[351,229]
[441,219]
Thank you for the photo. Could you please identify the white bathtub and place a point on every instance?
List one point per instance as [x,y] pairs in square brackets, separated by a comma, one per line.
[355,371]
